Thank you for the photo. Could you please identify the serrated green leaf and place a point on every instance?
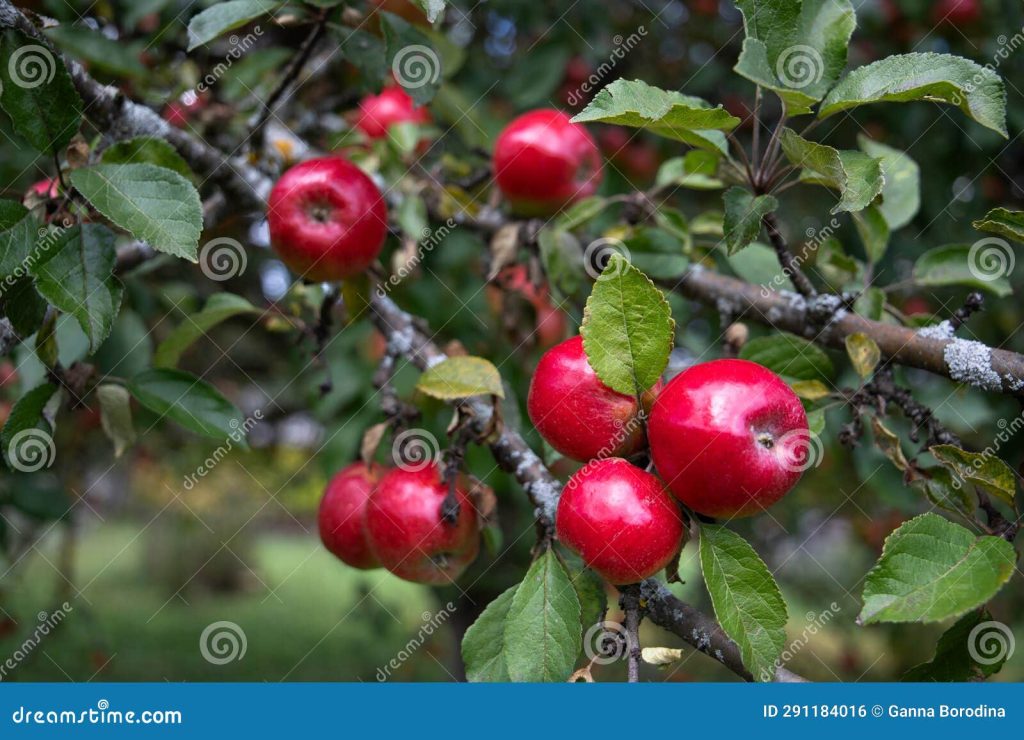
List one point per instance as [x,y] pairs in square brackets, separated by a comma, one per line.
[666,113]
[856,176]
[939,78]
[743,214]
[795,47]
[30,451]
[973,649]
[1004,222]
[746,598]
[946,492]
[222,17]
[483,645]
[873,230]
[461,377]
[17,242]
[36,91]
[543,636]
[146,149]
[152,203]
[901,194]
[864,353]
[789,356]
[627,329]
[980,468]
[932,569]
[189,401]
[75,274]
[220,307]
[953,264]
[116,416]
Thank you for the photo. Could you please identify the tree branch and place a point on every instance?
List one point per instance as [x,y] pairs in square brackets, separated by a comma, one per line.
[789,266]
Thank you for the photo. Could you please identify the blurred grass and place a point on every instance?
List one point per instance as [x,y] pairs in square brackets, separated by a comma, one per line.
[305,617]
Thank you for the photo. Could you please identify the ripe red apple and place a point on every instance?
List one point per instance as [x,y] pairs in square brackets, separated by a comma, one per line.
[407,532]
[543,161]
[340,517]
[576,413]
[327,218]
[729,437]
[956,12]
[620,520]
[378,113]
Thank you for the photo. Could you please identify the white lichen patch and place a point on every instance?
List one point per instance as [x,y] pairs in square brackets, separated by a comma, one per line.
[942,330]
[971,362]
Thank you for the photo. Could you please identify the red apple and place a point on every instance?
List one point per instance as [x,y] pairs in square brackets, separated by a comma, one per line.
[620,520]
[378,113]
[729,437]
[407,532]
[576,413]
[327,218]
[543,161]
[956,12]
[340,517]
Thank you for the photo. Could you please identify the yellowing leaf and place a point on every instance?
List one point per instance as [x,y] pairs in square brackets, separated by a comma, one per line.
[864,353]
[461,377]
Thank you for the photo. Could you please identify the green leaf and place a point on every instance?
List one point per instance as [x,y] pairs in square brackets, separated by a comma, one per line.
[947,493]
[666,113]
[580,213]
[953,264]
[856,176]
[225,16]
[32,446]
[795,47]
[697,169]
[589,590]
[146,149]
[483,645]
[939,78]
[17,242]
[543,635]
[864,353]
[562,257]
[364,50]
[873,231]
[461,377]
[627,329]
[37,93]
[116,416]
[189,401]
[746,598]
[1004,222]
[789,356]
[41,496]
[116,57]
[76,276]
[412,58]
[980,468]
[871,304]
[743,214]
[901,194]
[973,649]
[219,307]
[152,203]
[657,253]
[932,569]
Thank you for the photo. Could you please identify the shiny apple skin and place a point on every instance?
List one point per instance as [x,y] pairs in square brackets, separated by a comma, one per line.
[327,218]
[340,517]
[543,162]
[620,520]
[728,437]
[404,526]
[378,113]
[576,413]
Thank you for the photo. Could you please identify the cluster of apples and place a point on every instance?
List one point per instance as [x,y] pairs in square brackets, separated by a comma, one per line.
[371,517]
[727,437]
